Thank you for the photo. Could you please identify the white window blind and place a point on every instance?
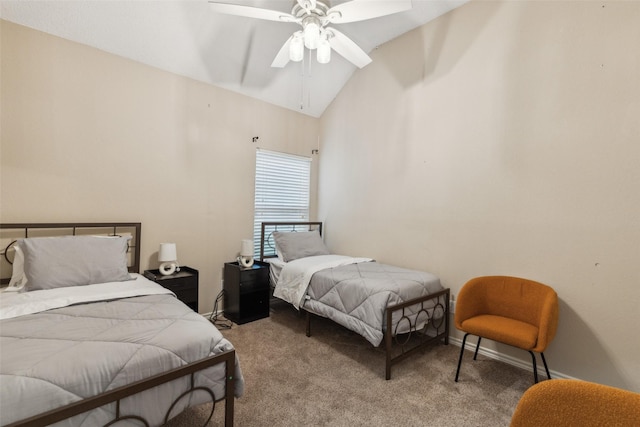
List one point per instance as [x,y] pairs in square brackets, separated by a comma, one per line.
[282,190]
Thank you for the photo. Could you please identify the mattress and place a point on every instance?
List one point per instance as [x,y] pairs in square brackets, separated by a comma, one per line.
[61,355]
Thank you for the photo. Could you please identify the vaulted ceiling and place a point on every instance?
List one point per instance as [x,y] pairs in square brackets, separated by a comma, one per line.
[188,38]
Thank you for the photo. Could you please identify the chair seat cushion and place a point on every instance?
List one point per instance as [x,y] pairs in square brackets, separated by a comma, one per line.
[509,331]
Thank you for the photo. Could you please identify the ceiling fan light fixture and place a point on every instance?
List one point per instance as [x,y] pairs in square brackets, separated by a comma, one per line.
[311,30]
[314,16]
[296,47]
[323,55]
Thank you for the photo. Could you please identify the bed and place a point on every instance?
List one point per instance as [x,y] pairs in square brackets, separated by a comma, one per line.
[404,309]
[88,341]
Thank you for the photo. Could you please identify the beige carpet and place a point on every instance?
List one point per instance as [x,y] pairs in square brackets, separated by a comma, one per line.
[336,378]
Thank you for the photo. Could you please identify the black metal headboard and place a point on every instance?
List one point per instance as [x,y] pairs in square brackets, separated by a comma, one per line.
[9,233]
[267,245]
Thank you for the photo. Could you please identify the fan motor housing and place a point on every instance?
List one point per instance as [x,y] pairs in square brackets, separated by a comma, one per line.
[320,10]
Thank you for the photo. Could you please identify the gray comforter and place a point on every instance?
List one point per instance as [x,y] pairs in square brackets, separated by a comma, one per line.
[357,295]
[59,356]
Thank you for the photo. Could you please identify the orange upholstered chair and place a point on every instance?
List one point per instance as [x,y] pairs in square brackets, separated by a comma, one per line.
[576,403]
[514,311]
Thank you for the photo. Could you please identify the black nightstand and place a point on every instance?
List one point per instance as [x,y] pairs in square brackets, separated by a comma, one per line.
[246,292]
[183,283]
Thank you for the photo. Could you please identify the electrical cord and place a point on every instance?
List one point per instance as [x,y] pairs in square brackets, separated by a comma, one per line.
[215,318]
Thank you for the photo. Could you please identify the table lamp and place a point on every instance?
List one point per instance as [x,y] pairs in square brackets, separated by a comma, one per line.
[168,257]
[246,253]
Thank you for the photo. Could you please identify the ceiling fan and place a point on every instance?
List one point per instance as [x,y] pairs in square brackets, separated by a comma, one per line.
[315,16]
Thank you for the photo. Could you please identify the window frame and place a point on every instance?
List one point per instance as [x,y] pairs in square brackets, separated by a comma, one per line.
[279,196]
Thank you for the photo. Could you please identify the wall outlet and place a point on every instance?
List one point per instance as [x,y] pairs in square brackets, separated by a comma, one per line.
[452,306]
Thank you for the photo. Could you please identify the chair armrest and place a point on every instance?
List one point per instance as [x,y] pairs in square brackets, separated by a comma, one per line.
[468,302]
[548,322]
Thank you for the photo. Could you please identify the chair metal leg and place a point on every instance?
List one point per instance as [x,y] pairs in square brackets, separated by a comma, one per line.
[464,340]
[475,355]
[546,368]
[535,368]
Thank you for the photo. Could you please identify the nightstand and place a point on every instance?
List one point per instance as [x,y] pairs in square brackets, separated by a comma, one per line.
[183,283]
[246,292]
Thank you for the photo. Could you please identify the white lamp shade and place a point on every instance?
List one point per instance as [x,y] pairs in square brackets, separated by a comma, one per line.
[311,34]
[167,252]
[247,248]
[323,54]
[296,47]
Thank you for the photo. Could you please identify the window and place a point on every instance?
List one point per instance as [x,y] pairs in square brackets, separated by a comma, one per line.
[282,190]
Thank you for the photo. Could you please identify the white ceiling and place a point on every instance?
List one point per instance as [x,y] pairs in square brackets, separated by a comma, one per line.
[187,38]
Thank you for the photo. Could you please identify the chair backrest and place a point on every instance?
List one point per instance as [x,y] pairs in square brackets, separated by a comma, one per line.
[579,403]
[511,297]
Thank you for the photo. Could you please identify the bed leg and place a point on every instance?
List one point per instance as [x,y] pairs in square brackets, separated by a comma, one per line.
[446,317]
[388,343]
[308,324]
[230,387]
[387,375]
[228,411]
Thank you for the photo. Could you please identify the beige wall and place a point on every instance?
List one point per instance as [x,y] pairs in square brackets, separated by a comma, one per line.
[504,138]
[89,136]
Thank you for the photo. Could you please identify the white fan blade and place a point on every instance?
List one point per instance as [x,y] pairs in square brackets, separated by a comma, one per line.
[252,12]
[282,58]
[347,48]
[361,10]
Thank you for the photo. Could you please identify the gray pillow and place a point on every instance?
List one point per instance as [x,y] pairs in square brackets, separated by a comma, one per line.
[294,245]
[55,262]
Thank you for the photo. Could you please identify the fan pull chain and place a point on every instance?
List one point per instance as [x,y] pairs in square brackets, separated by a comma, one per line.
[309,75]
[304,84]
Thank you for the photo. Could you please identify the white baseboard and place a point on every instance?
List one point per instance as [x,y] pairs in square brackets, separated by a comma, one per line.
[509,360]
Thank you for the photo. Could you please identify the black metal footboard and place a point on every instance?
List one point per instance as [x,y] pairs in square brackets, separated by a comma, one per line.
[116,395]
[428,323]
[423,321]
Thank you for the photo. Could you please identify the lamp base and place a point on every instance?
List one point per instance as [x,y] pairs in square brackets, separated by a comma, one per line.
[245,261]
[167,268]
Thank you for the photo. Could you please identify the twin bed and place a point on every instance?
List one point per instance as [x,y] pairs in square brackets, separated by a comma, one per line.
[87,341]
[406,309]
